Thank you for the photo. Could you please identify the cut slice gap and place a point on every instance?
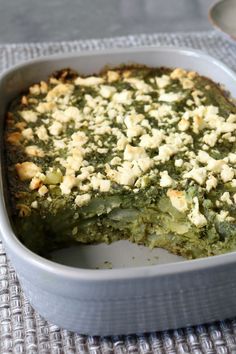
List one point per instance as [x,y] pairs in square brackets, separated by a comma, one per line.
[119,254]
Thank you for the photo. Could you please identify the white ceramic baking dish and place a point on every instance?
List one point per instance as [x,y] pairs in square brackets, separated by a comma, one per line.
[132,297]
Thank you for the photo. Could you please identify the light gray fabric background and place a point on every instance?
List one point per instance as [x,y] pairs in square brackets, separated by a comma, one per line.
[22,330]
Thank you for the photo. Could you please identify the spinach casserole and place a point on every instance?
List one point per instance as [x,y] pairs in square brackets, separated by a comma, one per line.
[137,153]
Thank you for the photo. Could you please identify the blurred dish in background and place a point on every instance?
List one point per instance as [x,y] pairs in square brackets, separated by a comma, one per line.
[223,16]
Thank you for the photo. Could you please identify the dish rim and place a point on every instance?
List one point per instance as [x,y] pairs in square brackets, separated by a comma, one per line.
[215,24]
[79,274]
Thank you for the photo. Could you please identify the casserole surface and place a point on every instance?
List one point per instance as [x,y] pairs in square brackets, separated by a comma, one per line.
[117,301]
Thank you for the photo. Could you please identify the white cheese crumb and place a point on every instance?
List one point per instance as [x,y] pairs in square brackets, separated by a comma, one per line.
[34,150]
[34,204]
[82,199]
[178,200]
[203,157]
[134,153]
[56,128]
[151,142]
[210,139]
[162,81]
[28,134]
[27,170]
[222,215]
[42,133]
[138,84]
[170,97]
[123,97]
[68,183]
[227,173]
[178,73]
[134,131]
[145,163]
[226,198]
[29,116]
[59,90]
[232,158]
[195,216]
[166,180]
[42,191]
[179,162]
[197,174]
[183,124]
[89,81]
[107,91]
[215,165]
[115,161]
[105,185]
[211,183]
[166,151]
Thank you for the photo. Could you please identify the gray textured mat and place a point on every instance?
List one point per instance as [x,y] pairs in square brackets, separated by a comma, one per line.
[22,330]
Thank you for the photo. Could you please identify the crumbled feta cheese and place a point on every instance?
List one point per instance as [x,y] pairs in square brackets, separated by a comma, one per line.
[210,139]
[215,165]
[67,184]
[35,183]
[178,73]
[115,161]
[42,133]
[183,124]
[34,204]
[232,158]
[82,199]
[45,107]
[105,185]
[211,183]
[89,81]
[222,215]
[121,143]
[195,216]
[132,120]
[187,83]
[170,97]
[166,151]
[112,76]
[134,131]
[203,157]
[34,150]
[29,116]
[226,198]
[28,134]
[59,90]
[123,97]
[107,91]
[178,200]
[166,180]
[27,170]
[197,174]
[42,191]
[227,173]
[145,163]
[162,81]
[198,124]
[152,141]
[134,153]
[138,84]
[179,163]
[56,128]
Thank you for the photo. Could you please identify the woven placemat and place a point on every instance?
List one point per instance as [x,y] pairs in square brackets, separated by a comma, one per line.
[22,330]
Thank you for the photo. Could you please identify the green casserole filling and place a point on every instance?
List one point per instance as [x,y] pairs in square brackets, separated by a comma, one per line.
[133,153]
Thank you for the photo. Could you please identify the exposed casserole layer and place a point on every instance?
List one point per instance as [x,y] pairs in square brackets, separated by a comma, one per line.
[138,153]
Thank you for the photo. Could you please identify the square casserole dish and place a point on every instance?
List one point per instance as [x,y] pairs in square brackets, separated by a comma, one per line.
[123,300]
